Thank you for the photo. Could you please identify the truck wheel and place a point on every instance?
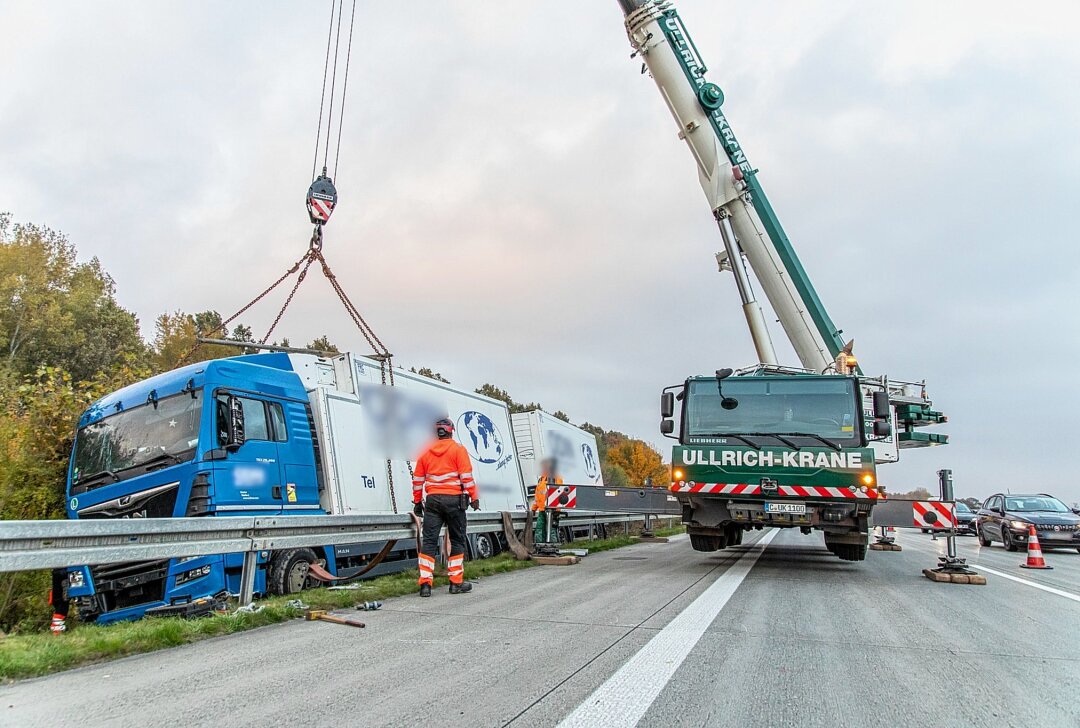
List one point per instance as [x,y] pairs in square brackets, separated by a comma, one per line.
[851,551]
[702,542]
[288,571]
[484,546]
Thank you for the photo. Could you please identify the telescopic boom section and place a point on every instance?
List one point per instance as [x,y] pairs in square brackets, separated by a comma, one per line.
[730,183]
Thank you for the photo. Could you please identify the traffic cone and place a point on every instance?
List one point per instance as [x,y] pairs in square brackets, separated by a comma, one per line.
[1035,558]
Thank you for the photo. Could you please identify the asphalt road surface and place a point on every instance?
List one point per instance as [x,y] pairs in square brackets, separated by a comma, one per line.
[777,632]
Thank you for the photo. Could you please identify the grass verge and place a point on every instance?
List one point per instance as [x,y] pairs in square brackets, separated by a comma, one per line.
[33,655]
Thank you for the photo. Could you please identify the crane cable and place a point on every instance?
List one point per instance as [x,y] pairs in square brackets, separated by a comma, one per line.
[321,200]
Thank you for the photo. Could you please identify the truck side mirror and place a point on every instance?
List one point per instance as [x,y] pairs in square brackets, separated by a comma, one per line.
[881,405]
[235,423]
[667,427]
[882,428]
[667,404]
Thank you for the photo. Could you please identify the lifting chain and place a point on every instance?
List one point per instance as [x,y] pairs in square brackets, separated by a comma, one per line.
[382,354]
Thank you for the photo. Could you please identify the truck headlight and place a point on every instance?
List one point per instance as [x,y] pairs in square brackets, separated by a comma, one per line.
[192,574]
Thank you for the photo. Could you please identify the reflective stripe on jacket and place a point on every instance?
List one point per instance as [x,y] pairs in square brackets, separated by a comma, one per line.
[444,469]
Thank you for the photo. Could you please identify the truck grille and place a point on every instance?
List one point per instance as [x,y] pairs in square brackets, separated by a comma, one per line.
[130,584]
[157,502]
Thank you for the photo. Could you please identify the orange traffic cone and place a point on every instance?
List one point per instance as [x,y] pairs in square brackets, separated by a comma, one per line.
[1035,558]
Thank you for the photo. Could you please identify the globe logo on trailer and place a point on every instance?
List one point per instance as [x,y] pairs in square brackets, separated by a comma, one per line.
[592,467]
[480,437]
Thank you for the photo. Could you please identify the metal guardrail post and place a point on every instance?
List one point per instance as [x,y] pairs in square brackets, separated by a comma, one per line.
[247,578]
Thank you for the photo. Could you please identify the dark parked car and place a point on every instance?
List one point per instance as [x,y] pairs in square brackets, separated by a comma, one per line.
[965,521]
[1006,517]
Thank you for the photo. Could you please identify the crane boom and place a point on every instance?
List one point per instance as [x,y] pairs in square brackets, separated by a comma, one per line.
[732,188]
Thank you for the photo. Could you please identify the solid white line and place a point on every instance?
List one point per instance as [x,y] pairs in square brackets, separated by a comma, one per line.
[626,696]
[1052,590]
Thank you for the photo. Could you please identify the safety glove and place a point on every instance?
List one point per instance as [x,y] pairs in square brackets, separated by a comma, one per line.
[475,504]
[418,509]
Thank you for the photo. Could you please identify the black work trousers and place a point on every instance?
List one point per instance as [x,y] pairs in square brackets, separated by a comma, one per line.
[448,510]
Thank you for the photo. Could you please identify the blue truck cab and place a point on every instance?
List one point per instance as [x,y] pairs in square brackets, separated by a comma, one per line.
[230,437]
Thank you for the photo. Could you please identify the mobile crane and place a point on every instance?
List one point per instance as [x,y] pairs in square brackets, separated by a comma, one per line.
[769,444]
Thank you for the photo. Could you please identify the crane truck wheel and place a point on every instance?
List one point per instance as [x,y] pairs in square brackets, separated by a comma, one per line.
[288,571]
[851,551]
[707,542]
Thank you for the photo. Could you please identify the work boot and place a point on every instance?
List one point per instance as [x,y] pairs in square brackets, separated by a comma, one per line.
[425,590]
[463,588]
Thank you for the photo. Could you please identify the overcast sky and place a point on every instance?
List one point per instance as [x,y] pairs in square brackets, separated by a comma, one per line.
[516,208]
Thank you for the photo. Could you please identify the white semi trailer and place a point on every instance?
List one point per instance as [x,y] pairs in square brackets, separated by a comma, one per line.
[540,436]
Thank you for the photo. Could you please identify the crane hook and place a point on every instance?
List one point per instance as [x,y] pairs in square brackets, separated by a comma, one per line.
[321,199]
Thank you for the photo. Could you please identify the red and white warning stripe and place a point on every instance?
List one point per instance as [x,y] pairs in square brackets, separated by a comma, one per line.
[798,491]
[321,209]
[934,514]
[562,496]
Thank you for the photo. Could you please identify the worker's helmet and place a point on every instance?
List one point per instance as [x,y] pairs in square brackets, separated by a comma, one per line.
[444,428]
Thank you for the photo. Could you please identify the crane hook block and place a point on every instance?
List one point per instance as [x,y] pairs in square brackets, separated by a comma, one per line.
[321,199]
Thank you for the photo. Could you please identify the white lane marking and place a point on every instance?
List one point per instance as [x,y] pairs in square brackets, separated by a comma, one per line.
[626,696]
[1052,590]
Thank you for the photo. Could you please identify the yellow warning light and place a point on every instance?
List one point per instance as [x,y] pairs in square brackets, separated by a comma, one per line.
[868,478]
[850,360]
[678,474]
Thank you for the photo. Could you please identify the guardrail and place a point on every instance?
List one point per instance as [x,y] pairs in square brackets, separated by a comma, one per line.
[31,545]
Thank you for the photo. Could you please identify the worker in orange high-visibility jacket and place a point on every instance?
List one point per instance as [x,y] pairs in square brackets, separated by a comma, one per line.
[444,474]
[547,519]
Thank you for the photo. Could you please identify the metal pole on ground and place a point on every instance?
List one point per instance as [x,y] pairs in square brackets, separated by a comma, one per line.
[945,481]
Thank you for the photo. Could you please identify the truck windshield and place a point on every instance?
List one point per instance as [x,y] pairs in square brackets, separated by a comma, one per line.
[826,407]
[127,439]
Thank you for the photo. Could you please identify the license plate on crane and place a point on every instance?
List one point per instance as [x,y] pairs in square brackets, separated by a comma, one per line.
[798,509]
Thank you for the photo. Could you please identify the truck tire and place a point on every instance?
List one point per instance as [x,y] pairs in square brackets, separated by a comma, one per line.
[484,546]
[706,542]
[851,551]
[288,570]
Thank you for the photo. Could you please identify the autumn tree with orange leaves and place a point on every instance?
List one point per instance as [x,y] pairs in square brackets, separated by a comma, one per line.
[640,461]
